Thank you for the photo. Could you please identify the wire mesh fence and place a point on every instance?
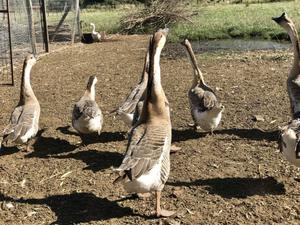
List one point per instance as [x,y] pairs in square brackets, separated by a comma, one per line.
[62,20]
[24,29]
[21,32]
[6,66]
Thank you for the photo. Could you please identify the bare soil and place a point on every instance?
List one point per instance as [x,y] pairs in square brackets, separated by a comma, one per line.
[236,176]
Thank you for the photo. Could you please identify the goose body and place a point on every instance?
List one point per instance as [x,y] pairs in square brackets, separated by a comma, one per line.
[146,164]
[289,143]
[130,110]
[85,37]
[95,35]
[293,81]
[24,120]
[87,117]
[206,111]
[289,140]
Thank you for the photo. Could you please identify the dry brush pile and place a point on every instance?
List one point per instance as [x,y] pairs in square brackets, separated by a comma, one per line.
[156,14]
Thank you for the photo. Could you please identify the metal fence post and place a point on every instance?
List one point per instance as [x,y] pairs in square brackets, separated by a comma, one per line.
[31,25]
[10,44]
[45,26]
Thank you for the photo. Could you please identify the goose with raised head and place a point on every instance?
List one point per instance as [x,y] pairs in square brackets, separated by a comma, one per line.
[131,108]
[146,164]
[87,117]
[293,80]
[205,109]
[24,120]
[95,35]
[289,142]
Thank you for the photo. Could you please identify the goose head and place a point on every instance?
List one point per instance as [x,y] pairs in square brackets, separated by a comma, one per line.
[160,38]
[93,25]
[92,82]
[284,21]
[30,60]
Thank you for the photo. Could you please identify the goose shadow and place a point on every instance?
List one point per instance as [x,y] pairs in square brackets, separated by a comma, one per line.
[12,148]
[252,134]
[6,150]
[184,135]
[104,137]
[237,187]
[95,160]
[77,207]
[47,146]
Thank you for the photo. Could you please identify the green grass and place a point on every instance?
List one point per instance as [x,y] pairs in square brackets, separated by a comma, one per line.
[219,21]
[104,20]
[237,21]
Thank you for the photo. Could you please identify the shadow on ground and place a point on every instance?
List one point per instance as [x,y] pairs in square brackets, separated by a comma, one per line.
[48,146]
[237,187]
[104,137]
[95,160]
[251,134]
[77,207]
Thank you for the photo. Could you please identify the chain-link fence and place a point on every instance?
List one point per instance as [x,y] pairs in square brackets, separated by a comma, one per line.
[21,32]
[24,29]
[6,66]
[63,20]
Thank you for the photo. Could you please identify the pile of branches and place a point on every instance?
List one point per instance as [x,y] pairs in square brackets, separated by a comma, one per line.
[156,14]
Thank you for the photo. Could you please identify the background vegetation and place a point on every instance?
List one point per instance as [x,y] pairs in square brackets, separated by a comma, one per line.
[209,20]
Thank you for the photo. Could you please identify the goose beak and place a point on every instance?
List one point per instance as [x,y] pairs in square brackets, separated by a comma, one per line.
[37,58]
[280,18]
[164,31]
[185,42]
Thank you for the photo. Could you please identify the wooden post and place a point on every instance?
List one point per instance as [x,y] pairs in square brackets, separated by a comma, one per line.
[45,26]
[61,22]
[76,18]
[31,25]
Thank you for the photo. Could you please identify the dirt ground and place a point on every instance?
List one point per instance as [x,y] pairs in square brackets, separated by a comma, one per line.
[236,176]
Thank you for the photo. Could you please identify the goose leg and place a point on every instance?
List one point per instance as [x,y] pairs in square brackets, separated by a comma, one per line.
[159,211]
[29,145]
[83,142]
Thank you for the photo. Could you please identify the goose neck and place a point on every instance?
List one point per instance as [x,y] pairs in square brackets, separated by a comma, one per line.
[94,28]
[296,47]
[26,89]
[90,92]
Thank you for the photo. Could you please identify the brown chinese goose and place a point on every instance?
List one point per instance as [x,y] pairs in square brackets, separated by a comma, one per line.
[24,120]
[87,117]
[146,164]
[290,134]
[131,108]
[205,109]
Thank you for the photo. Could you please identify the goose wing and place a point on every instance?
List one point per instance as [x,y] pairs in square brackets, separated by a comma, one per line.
[132,99]
[145,147]
[13,121]
[86,109]
[202,99]
[23,120]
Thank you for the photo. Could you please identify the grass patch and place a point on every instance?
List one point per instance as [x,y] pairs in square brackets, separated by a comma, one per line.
[237,21]
[220,21]
[104,20]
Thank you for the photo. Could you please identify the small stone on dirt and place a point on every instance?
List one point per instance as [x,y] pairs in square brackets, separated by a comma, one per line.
[258,118]
[177,192]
